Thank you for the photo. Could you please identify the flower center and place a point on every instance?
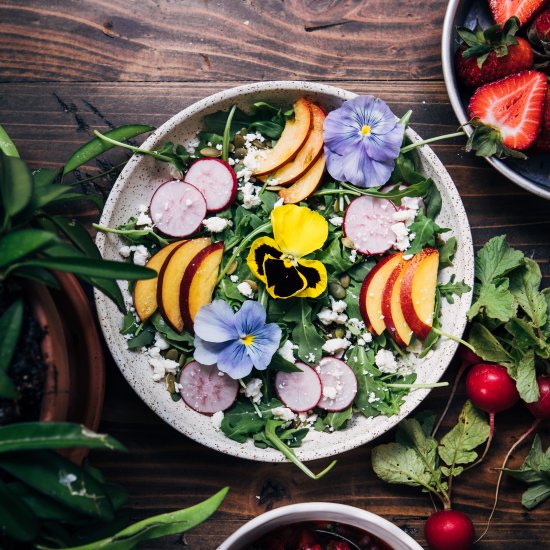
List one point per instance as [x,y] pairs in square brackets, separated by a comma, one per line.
[365,130]
[248,339]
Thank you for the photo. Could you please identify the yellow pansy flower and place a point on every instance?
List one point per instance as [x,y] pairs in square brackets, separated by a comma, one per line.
[278,262]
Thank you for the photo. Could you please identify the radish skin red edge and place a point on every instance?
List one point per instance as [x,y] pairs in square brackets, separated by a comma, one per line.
[367,222]
[339,384]
[299,391]
[177,208]
[204,390]
[216,180]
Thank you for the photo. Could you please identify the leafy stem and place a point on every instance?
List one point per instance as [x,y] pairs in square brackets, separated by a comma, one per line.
[137,150]
[412,146]
[454,338]
[273,438]
[133,233]
[227,134]
[260,229]
[419,386]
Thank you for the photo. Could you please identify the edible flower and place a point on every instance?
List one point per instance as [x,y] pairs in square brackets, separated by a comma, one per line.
[280,263]
[235,342]
[362,140]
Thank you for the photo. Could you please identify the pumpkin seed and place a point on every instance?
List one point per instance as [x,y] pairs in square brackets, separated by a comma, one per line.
[337,291]
[239,140]
[345,280]
[336,207]
[181,360]
[232,268]
[240,152]
[259,144]
[347,242]
[339,332]
[170,380]
[172,354]
[210,152]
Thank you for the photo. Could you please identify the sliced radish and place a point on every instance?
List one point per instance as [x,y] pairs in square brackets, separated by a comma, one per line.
[204,390]
[391,187]
[367,222]
[299,391]
[216,180]
[177,208]
[339,384]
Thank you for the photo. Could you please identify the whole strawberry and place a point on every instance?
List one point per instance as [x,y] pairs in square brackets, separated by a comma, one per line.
[491,54]
[539,33]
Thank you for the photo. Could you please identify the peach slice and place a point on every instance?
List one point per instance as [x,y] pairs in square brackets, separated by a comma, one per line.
[170,277]
[418,291]
[394,319]
[145,290]
[307,155]
[306,185]
[291,141]
[370,297]
[199,280]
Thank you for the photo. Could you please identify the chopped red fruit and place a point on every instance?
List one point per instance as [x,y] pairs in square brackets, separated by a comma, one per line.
[542,144]
[502,10]
[513,107]
[542,26]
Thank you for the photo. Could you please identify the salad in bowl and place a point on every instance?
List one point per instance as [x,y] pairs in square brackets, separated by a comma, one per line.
[313,270]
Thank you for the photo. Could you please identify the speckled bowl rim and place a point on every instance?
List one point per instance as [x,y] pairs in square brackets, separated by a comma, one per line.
[447,61]
[354,436]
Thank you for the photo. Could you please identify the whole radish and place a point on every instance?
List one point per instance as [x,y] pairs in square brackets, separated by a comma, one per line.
[491,389]
[449,530]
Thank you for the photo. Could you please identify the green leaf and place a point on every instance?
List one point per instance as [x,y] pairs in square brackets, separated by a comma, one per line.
[18,244]
[526,378]
[334,420]
[305,334]
[16,186]
[143,339]
[447,252]
[451,288]
[496,259]
[335,256]
[6,144]
[495,302]
[425,230]
[96,146]
[456,448]
[26,436]
[17,521]
[45,195]
[8,389]
[94,268]
[536,494]
[242,421]
[38,275]
[352,299]
[411,433]
[279,363]
[434,202]
[487,346]
[96,199]
[524,285]
[44,176]
[11,324]
[57,477]
[168,332]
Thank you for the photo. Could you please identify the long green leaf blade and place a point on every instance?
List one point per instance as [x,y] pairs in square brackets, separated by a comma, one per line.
[11,324]
[95,268]
[27,436]
[16,519]
[6,144]
[77,234]
[16,185]
[18,244]
[55,476]
[96,147]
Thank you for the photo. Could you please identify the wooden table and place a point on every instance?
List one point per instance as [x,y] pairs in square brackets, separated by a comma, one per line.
[70,66]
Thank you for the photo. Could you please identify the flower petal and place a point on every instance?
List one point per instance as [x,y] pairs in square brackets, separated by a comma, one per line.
[266,343]
[335,165]
[234,360]
[258,251]
[298,230]
[363,171]
[283,280]
[207,352]
[386,146]
[250,318]
[214,322]
[340,130]
[316,276]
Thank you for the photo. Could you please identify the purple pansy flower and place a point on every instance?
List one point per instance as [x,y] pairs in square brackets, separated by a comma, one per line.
[362,140]
[236,342]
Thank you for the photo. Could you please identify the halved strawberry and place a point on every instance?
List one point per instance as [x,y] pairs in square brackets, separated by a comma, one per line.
[539,33]
[542,143]
[508,113]
[493,53]
[502,10]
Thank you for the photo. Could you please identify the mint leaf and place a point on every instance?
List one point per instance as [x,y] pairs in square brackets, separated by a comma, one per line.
[495,302]
[496,259]
[457,446]
[524,285]
[451,288]
[487,346]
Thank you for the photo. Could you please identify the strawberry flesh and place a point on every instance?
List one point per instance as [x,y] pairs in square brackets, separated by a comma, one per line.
[502,10]
[542,25]
[514,106]
[542,145]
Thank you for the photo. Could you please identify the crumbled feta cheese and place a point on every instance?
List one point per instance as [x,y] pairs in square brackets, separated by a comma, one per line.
[336,346]
[144,219]
[219,146]
[353,255]
[283,413]
[287,351]
[253,390]
[401,233]
[161,366]
[125,251]
[142,208]
[330,392]
[415,347]
[250,195]
[411,203]
[337,221]
[310,357]
[245,289]
[231,161]
[216,224]
[328,316]
[234,278]
[160,342]
[217,419]
[408,257]
[385,361]
[372,397]
[404,215]
[141,255]
[338,306]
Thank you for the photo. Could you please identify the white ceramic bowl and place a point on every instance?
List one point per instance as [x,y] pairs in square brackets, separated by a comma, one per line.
[320,511]
[135,186]
[532,174]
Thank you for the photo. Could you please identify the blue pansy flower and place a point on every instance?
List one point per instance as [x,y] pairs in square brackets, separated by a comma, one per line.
[362,140]
[236,342]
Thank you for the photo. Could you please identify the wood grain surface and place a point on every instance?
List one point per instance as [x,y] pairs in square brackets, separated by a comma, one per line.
[69,67]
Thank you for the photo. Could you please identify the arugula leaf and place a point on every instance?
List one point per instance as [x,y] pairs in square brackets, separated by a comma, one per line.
[304,333]
[334,420]
[456,448]
[352,299]
[496,259]
[495,302]
[487,346]
[524,285]
[279,363]
[451,288]
[447,252]
[335,256]
[425,230]
[242,421]
[434,202]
